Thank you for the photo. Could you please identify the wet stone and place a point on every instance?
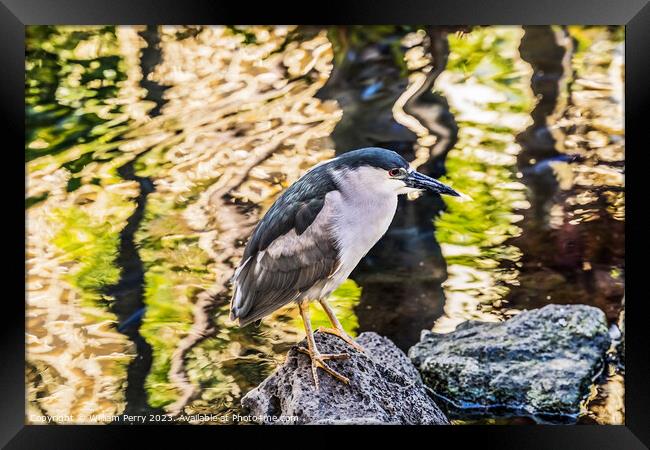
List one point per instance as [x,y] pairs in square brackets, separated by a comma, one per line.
[540,362]
[384,388]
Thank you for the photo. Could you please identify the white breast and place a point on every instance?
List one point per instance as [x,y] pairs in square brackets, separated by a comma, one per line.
[361,211]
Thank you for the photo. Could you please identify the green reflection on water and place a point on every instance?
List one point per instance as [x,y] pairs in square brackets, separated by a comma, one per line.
[487,87]
[174,269]
[93,246]
[343,300]
[72,73]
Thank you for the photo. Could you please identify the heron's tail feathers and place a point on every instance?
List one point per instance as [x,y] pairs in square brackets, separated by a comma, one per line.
[256,294]
[238,304]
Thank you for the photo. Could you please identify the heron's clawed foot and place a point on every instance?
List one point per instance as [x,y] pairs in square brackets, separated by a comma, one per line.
[318,360]
[342,335]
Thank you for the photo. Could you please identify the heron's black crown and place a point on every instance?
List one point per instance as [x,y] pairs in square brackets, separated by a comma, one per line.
[371,156]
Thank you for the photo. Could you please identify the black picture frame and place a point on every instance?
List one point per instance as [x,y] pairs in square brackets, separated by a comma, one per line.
[634,14]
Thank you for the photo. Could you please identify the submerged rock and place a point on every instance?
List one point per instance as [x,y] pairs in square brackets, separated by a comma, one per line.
[540,362]
[384,388]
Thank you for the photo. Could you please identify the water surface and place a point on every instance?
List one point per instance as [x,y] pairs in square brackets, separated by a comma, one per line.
[151,153]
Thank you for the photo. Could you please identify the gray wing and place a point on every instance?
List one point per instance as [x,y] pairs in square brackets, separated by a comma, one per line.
[291,249]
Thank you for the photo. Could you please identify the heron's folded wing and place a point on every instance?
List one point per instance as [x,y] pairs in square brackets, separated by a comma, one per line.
[289,266]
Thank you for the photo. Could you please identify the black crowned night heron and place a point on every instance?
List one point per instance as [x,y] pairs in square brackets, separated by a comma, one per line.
[315,234]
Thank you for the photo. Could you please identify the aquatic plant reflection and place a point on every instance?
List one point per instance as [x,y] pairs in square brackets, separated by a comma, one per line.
[486,84]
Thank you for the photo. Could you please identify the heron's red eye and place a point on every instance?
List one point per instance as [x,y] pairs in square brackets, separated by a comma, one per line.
[394,172]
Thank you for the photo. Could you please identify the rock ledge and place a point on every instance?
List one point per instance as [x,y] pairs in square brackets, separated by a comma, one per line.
[541,361]
[384,388]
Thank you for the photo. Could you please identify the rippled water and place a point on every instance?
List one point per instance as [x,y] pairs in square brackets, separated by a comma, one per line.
[151,153]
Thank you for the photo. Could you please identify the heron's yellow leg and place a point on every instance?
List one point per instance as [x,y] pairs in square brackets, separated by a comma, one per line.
[338,328]
[317,358]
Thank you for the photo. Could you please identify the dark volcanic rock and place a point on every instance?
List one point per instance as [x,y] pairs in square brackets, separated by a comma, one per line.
[384,388]
[541,361]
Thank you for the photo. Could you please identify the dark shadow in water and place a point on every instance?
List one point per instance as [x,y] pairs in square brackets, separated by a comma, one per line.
[149,58]
[431,108]
[129,295]
[366,82]
[540,48]
[401,276]
[569,262]
[129,292]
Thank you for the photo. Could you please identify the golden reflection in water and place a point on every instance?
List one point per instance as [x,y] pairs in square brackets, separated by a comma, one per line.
[419,62]
[425,63]
[606,405]
[592,127]
[76,360]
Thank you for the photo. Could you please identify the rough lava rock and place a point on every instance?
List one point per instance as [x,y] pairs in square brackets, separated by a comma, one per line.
[540,361]
[384,388]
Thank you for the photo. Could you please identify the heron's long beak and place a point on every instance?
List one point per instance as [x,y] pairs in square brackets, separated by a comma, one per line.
[419,181]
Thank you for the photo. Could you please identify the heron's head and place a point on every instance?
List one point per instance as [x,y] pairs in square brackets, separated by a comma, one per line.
[385,171]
